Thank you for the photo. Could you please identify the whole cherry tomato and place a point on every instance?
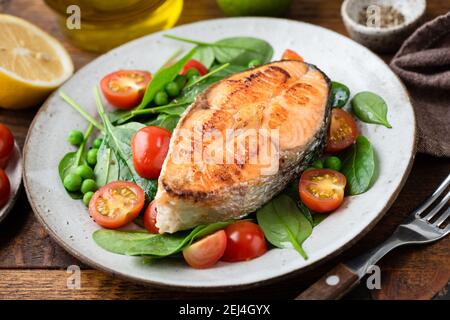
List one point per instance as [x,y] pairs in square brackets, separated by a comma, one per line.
[5,188]
[149,147]
[6,145]
[245,241]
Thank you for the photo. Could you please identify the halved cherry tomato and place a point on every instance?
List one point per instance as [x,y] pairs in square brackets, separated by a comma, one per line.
[124,89]
[342,132]
[5,188]
[150,218]
[194,64]
[6,145]
[149,147]
[116,204]
[322,190]
[245,241]
[206,252]
[291,55]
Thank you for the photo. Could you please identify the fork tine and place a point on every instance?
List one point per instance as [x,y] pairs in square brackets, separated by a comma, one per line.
[433,197]
[438,207]
[442,218]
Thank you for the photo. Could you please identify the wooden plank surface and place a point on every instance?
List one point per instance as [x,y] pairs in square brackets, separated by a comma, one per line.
[33,266]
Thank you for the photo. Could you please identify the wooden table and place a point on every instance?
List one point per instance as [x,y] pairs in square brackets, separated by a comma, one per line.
[32,266]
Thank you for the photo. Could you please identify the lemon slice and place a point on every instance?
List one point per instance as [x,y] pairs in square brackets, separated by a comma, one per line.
[32,63]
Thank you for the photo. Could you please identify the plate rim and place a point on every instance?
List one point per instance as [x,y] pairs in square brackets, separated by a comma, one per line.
[220,288]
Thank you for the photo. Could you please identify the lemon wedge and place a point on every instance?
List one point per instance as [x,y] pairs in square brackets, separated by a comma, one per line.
[32,63]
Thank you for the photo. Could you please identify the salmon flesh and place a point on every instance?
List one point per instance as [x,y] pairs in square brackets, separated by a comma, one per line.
[241,142]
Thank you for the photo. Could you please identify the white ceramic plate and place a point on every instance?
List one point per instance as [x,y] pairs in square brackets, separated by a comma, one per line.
[14,172]
[340,58]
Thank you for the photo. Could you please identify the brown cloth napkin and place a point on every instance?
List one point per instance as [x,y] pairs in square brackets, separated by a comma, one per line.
[423,63]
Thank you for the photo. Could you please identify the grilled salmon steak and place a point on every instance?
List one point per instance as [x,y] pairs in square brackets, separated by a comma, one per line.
[241,142]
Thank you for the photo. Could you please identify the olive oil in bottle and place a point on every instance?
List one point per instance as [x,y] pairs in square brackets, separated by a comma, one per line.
[105,24]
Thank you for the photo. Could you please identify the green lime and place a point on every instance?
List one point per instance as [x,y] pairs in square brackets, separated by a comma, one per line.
[273,8]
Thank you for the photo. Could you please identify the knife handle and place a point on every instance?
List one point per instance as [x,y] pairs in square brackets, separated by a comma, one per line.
[331,286]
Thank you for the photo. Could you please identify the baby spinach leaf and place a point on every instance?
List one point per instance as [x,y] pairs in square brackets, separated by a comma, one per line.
[119,241]
[165,121]
[137,243]
[175,111]
[118,138]
[118,115]
[371,108]
[306,212]
[236,50]
[283,223]
[66,166]
[205,55]
[230,70]
[339,94]
[318,218]
[208,229]
[107,168]
[242,50]
[161,245]
[359,166]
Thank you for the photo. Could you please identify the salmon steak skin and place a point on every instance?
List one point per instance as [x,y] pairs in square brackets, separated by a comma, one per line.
[262,127]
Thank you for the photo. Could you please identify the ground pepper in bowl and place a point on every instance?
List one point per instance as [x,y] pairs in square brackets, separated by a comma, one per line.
[379,16]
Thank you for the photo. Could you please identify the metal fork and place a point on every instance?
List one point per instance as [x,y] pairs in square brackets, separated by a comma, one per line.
[419,227]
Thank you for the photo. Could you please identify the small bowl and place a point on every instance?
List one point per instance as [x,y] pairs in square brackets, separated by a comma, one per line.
[382,40]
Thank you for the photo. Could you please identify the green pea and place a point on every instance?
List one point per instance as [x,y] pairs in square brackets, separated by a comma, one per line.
[72,182]
[181,80]
[97,143]
[172,89]
[161,98]
[84,171]
[87,198]
[333,163]
[317,164]
[91,156]
[254,63]
[192,72]
[88,185]
[75,137]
